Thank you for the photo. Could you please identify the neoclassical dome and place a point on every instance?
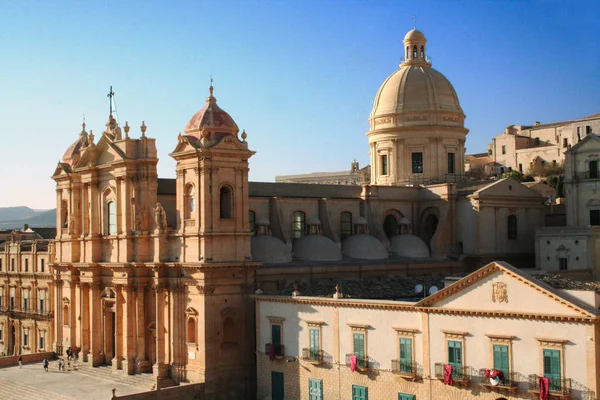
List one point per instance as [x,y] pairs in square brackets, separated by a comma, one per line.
[316,248]
[73,153]
[365,247]
[212,118]
[409,246]
[269,249]
[416,94]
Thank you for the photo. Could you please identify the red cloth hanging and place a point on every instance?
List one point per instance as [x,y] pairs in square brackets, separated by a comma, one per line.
[544,388]
[494,373]
[353,361]
[271,352]
[448,374]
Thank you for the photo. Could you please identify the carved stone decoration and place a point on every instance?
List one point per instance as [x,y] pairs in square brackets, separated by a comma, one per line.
[160,217]
[499,292]
[207,289]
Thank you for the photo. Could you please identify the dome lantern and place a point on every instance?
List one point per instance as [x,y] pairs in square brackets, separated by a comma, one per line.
[415,46]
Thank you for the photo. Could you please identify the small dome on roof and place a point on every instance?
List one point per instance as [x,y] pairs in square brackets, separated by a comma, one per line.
[73,153]
[409,246]
[312,220]
[211,117]
[415,35]
[269,249]
[316,248]
[365,247]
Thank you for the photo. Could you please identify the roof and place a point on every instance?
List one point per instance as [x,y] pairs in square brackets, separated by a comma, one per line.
[303,190]
[167,186]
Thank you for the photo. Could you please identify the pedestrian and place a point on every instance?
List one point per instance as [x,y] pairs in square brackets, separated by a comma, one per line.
[46,364]
[69,352]
[61,364]
[20,361]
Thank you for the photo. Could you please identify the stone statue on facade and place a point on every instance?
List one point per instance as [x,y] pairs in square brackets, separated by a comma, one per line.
[160,217]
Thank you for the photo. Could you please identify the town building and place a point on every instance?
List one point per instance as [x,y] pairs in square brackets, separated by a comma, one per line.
[527,148]
[348,345]
[576,246]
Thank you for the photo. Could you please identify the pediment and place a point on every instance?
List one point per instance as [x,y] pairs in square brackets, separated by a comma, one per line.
[506,187]
[62,169]
[499,288]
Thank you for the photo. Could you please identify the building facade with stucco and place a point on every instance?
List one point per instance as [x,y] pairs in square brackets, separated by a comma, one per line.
[577,245]
[156,275]
[345,346]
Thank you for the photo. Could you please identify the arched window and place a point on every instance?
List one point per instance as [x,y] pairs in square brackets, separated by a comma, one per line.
[64,214]
[390,226]
[25,299]
[299,224]
[415,52]
[66,321]
[252,221]
[512,227]
[229,331]
[112,217]
[226,203]
[407,51]
[422,51]
[345,224]
[190,202]
[191,330]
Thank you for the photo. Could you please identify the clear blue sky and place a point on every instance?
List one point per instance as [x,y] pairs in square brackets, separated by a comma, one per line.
[299,76]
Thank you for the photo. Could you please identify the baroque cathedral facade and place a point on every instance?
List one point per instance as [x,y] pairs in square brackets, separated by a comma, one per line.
[157,275]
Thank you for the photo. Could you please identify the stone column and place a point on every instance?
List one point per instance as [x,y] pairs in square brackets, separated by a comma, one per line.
[129,330]
[58,316]
[96,356]
[142,364]
[160,368]
[119,323]
[84,299]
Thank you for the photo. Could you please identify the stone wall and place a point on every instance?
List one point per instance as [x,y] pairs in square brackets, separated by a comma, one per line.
[193,392]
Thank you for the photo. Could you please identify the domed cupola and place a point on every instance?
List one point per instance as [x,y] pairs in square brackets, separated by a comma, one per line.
[314,246]
[211,120]
[406,244]
[417,131]
[266,248]
[73,153]
[361,245]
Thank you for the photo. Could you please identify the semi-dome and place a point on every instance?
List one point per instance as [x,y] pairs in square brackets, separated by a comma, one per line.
[409,246]
[316,248]
[365,247]
[269,249]
[212,118]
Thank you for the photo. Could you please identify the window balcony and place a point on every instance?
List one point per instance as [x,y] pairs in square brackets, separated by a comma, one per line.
[362,362]
[275,349]
[510,384]
[559,388]
[580,175]
[314,356]
[460,375]
[410,370]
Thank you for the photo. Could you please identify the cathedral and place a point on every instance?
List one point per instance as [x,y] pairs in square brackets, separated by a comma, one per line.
[157,275]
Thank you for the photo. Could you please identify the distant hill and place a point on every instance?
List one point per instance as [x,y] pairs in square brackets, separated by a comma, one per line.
[16,217]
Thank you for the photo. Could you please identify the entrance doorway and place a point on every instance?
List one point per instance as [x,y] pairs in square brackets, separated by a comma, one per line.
[13,342]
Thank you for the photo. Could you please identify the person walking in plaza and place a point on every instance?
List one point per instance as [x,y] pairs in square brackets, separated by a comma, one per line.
[45,364]
[20,361]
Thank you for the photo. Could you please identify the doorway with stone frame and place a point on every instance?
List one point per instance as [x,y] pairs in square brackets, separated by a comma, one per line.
[109,324]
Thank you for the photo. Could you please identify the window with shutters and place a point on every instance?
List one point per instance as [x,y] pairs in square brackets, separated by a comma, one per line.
[315,343]
[552,354]
[501,357]
[501,361]
[359,345]
[406,355]
[593,169]
[315,389]
[404,396]
[455,354]
[277,335]
[277,389]
[360,392]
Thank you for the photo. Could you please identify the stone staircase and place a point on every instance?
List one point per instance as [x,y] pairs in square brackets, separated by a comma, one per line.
[144,381]
[11,390]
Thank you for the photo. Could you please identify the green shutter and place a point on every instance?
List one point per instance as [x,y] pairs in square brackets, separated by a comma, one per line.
[404,396]
[552,368]
[315,389]
[314,340]
[359,348]
[405,355]
[360,393]
[455,353]
[277,392]
[276,334]
[501,359]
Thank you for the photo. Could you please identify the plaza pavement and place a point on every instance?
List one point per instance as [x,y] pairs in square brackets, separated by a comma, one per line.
[32,382]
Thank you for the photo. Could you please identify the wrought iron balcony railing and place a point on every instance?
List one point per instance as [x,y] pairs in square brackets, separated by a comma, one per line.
[511,381]
[362,362]
[406,369]
[459,374]
[313,355]
[276,349]
[557,386]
